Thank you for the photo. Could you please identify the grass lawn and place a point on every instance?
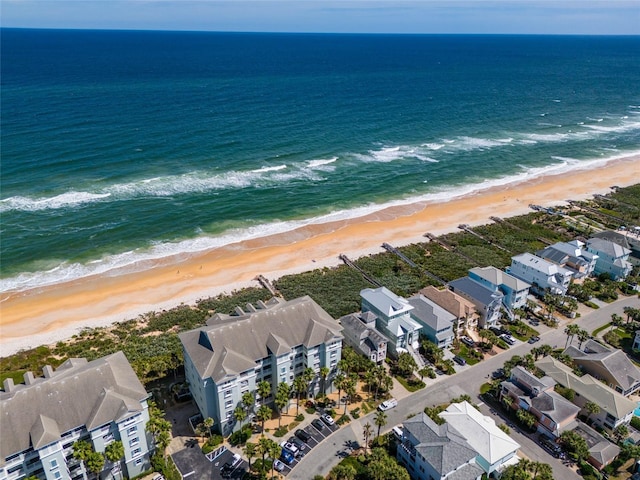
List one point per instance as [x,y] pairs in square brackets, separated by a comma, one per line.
[465,352]
[412,385]
[600,329]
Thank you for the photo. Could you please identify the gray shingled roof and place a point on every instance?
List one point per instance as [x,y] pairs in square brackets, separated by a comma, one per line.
[230,345]
[499,277]
[441,445]
[77,393]
[369,337]
[386,301]
[607,247]
[614,361]
[593,390]
[430,313]
[474,290]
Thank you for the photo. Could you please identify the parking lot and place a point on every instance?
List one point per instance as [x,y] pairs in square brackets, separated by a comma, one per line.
[317,435]
[193,464]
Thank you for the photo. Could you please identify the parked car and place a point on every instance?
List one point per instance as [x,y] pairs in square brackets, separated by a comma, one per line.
[298,443]
[507,338]
[302,435]
[497,331]
[534,339]
[498,374]
[467,341]
[287,457]
[459,360]
[318,424]
[289,446]
[387,404]
[551,446]
[326,418]
[278,465]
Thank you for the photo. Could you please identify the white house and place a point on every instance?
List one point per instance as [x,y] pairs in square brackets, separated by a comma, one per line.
[612,258]
[393,319]
[540,273]
[572,255]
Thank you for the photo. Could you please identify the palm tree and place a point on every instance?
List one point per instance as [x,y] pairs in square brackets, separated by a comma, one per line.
[340,382]
[343,366]
[248,400]
[264,390]
[380,419]
[114,452]
[366,432]
[264,413]
[162,442]
[308,375]
[263,447]
[95,462]
[240,414]
[488,337]
[208,423]
[583,336]
[324,373]
[282,400]
[81,451]
[571,331]
[299,386]
[592,408]
[508,401]
[275,451]
[250,450]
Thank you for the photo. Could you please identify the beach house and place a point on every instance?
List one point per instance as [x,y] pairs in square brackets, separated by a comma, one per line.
[273,342]
[461,308]
[359,330]
[428,451]
[613,258]
[393,319]
[571,255]
[99,402]
[487,301]
[513,289]
[610,365]
[541,274]
[615,408]
[437,323]
[553,413]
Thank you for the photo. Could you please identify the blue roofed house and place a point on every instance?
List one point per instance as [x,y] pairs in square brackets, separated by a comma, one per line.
[515,291]
[393,319]
[437,323]
[487,301]
[612,258]
[572,256]
[541,274]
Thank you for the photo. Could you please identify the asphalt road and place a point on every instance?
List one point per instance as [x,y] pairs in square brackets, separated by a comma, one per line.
[321,459]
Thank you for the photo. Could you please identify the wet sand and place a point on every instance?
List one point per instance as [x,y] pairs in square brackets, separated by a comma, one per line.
[49,314]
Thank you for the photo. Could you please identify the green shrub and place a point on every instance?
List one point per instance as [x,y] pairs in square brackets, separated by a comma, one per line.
[635,422]
[343,419]
[310,410]
[281,432]
[240,437]
[299,417]
[591,305]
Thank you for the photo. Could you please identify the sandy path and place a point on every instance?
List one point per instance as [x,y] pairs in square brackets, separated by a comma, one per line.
[46,315]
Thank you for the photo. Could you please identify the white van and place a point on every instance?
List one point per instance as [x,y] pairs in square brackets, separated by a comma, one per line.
[387,404]
[397,431]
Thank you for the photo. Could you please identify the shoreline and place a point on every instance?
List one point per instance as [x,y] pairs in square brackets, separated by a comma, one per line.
[49,314]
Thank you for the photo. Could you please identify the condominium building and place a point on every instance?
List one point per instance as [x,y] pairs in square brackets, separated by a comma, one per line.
[99,402]
[541,274]
[273,342]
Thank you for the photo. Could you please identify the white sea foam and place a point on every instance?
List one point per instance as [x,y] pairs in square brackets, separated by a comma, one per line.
[321,162]
[64,200]
[144,258]
[269,169]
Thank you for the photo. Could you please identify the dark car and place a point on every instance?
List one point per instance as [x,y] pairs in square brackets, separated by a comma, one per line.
[287,457]
[534,339]
[497,374]
[459,360]
[302,435]
[298,443]
[318,424]
[551,446]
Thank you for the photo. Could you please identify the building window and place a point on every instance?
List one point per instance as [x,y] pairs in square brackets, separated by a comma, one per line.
[228,393]
[138,462]
[136,452]
[132,431]
[54,463]
[134,441]
[57,474]
[228,404]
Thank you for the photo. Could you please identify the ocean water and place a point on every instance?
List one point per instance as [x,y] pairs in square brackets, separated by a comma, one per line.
[123,146]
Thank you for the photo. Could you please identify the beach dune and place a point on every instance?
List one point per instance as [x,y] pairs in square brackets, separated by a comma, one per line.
[49,314]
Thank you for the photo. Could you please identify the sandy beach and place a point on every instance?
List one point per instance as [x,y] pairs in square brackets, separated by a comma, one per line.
[49,314]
